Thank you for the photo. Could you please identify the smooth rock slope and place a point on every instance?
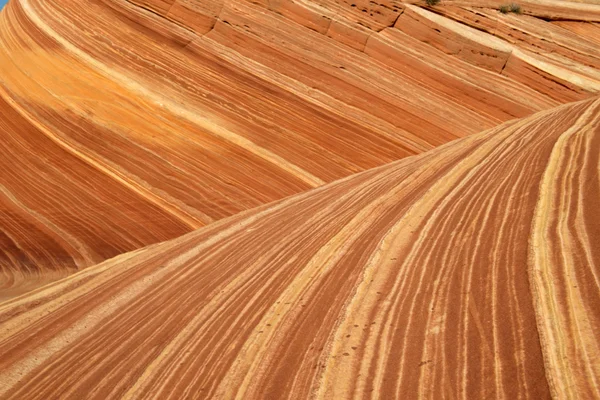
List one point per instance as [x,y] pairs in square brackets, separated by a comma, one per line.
[125,124]
[470,271]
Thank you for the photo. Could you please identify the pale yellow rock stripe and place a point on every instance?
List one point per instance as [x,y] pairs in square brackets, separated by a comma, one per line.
[498,44]
[547,279]
[38,356]
[238,383]
[399,237]
[184,336]
[206,123]
[193,223]
[84,256]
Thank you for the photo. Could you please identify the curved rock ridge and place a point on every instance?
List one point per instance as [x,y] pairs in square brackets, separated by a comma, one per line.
[129,123]
[574,58]
[552,10]
[589,31]
[470,271]
[355,23]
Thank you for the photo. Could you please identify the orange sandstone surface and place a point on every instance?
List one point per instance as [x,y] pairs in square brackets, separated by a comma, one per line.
[127,123]
[470,271]
[299,199]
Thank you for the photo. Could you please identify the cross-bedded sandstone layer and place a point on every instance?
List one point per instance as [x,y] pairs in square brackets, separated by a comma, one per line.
[470,271]
[127,123]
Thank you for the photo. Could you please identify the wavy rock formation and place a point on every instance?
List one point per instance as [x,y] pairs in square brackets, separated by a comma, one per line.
[127,123]
[548,10]
[470,271]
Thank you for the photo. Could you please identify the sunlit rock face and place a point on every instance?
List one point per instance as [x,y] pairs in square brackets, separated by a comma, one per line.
[277,199]
[457,271]
[127,123]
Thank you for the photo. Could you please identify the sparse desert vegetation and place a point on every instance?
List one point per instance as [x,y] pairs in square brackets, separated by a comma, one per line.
[510,8]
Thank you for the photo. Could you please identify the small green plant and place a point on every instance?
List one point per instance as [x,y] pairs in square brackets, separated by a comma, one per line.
[510,8]
[432,3]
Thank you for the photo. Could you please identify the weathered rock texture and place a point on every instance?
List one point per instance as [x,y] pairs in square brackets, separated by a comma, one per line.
[126,123]
[470,271]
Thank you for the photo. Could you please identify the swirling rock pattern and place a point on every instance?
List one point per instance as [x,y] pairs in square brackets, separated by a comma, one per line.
[470,271]
[127,123]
